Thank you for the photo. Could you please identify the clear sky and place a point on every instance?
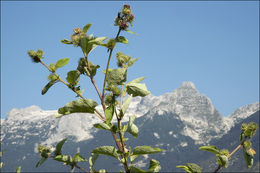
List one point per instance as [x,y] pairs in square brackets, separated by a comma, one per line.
[213,44]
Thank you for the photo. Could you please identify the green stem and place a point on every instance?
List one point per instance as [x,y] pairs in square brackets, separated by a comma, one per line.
[119,124]
[93,80]
[108,62]
[100,116]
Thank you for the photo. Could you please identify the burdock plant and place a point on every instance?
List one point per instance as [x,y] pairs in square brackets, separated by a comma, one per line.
[115,96]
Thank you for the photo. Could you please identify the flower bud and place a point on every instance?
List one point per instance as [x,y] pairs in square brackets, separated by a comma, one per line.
[123,25]
[36,55]
[127,6]
[77,30]
[75,38]
[126,11]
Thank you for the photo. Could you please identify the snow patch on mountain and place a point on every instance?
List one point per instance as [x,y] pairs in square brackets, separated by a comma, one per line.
[242,113]
[201,120]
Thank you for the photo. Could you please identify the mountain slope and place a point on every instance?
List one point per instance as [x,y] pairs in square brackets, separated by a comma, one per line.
[178,122]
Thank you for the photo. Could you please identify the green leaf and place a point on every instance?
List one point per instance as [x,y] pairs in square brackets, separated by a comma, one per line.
[62,62]
[132,61]
[92,159]
[86,27]
[80,105]
[122,39]
[98,41]
[185,168]
[52,67]
[43,159]
[73,77]
[138,80]
[78,158]
[64,158]
[107,150]
[126,104]
[223,160]
[116,76]
[249,159]
[130,32]
[52,77]
[141,150]
[154,167]
[109,112]
[59,146]
[137,89]
[103,126]
[65,41]
[210,148]
[84,44]
[18,169]
[47,87]
[134,169]
[194,168]
[133,157]
[131,127]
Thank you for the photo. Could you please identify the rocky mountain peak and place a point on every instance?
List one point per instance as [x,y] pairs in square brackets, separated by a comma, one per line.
[187,85]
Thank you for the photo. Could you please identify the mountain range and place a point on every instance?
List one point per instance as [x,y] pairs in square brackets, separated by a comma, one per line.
[178,122]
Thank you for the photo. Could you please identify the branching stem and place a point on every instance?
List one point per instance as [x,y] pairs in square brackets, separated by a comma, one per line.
[219,166]
[80,95]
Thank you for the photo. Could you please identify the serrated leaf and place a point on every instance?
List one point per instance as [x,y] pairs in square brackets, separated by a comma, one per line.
[131,127]
[43,159]
[210,148]
[62,62]
[59,146]
[78,158]
[141,150]
[103,126]
[18,169]
[65,41]
[126,104]
[137,89]
[107,150]
[109,112]
[122,39]
[86,27]
[73,77]
[80,105]
[47,87]
[194,168]
[116,76]
[138,80]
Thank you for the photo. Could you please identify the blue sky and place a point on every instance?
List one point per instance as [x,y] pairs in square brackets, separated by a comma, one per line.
[213,44]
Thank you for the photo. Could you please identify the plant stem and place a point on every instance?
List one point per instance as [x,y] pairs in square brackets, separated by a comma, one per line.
[61,80]
[82,169]
[108,62]
[92,78]
[239,146]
